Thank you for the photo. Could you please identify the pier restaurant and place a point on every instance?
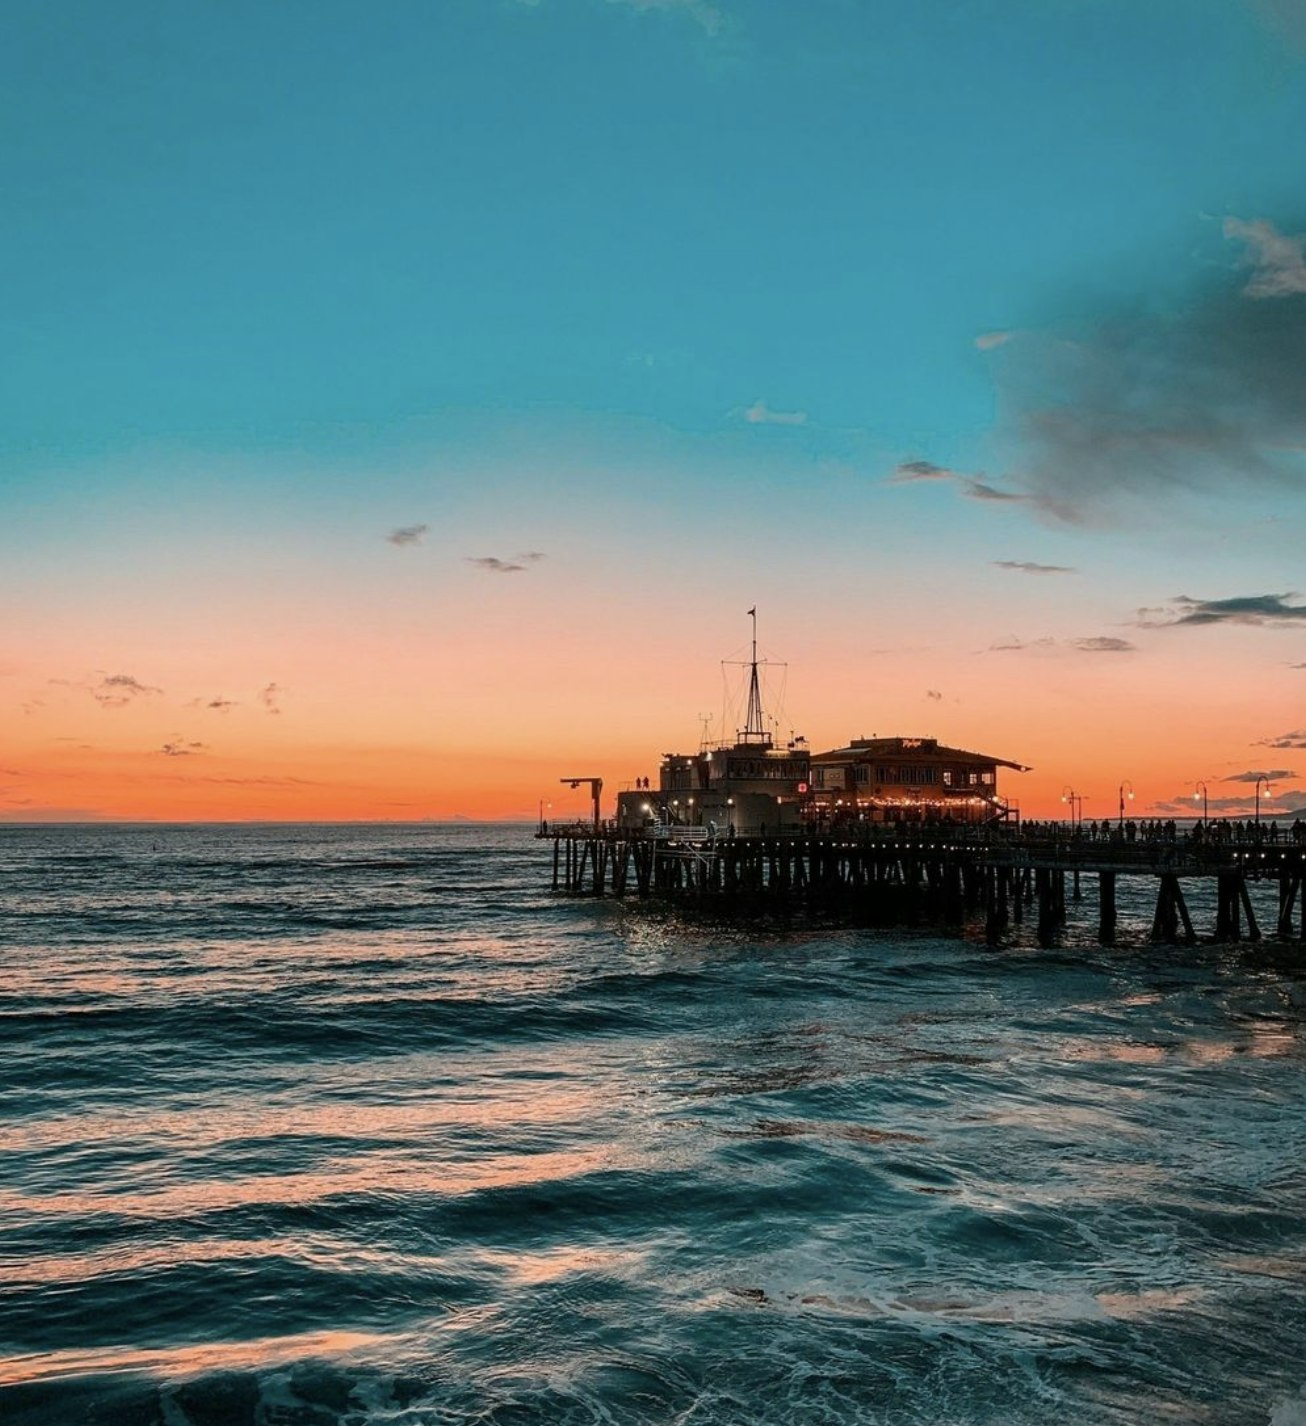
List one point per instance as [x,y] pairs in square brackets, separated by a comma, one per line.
[907,780]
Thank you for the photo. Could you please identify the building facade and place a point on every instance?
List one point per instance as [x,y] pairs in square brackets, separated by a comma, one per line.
[907,780]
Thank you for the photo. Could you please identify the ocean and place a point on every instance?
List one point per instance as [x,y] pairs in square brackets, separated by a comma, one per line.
[307,1126]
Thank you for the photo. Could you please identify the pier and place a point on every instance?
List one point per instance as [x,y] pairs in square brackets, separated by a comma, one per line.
[877,876]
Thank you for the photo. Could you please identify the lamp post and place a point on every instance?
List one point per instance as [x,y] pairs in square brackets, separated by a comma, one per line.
[1269,792]
[1125,784]
[1205,813]
[1068,794]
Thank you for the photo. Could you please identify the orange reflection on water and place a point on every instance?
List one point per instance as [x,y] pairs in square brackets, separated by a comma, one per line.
[448,1177]
[184,1361]
[540,1105]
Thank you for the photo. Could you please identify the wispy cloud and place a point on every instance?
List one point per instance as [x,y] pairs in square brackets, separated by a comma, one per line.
[181,749]
[407,535]
[1279,774]
[987,341]
[910,470]
[1277,262]
[1284,740]
[1090,644]
[1030,567]
[112,690]
[1256,609]
[760,414]
[270,697]
[934,695]
[1014,645]
[1138,403]
[970,486]
[982,490]
[492,564]
[219,704]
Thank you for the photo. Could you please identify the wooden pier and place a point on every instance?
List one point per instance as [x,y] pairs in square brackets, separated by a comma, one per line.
[937,876]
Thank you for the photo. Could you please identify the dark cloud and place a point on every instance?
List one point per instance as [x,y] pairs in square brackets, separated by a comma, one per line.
[1284,740]
[407,535]
[1146,400]
[1274,774]
[220,704]
[934,695]
[1103,644]
[269,696]
[1242,609]
[1029,567]
[182,749]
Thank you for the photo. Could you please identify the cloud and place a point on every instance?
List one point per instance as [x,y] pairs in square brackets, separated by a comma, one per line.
[1014,645]
[492,564]
[117,690]
[760,414]
[934,695]
[1284,740]
[407,535]
[1092,644]
[987,341]
[910,471]
[532,556]
[980,490]
[183,749]
[270,695]
[1286,17]
[1280,774]
[219,704]
[1277,263]
[1029,567]
[1256,609]
[1140,400]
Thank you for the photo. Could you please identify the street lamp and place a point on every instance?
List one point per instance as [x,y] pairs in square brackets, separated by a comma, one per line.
[1125,784]
[1269,792]
[1068,794]
[1202,785]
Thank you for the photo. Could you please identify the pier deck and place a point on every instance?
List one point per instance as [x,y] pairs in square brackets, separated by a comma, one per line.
[877,876]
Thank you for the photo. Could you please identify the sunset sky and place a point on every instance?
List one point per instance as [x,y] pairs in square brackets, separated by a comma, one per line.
[403,403]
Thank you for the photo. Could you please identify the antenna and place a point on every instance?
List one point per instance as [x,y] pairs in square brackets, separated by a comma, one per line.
[754,723]
[705,741]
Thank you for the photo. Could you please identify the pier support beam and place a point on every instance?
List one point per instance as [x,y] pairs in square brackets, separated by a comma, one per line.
[1106,907]
[1171,911]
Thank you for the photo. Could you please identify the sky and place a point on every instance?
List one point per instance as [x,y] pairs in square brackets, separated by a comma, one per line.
[402,404]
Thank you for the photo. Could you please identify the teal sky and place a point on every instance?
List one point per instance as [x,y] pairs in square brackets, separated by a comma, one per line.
[996,310]
[254,225]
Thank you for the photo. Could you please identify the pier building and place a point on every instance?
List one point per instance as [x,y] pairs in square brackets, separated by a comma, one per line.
[907,780]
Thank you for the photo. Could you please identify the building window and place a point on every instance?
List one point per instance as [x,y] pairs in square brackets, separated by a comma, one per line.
[947,777]
[863,773]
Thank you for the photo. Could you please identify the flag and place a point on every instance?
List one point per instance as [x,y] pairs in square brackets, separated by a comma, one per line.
[753,610]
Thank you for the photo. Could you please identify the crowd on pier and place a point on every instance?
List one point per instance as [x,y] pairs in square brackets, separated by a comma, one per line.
[1220,831]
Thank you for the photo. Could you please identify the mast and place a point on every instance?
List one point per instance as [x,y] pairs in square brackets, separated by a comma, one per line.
[754,728]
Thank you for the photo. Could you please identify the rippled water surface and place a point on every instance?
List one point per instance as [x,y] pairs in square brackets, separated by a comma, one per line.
[356,1125]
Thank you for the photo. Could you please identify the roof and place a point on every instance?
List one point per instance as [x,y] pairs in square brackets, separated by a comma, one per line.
[913,750]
